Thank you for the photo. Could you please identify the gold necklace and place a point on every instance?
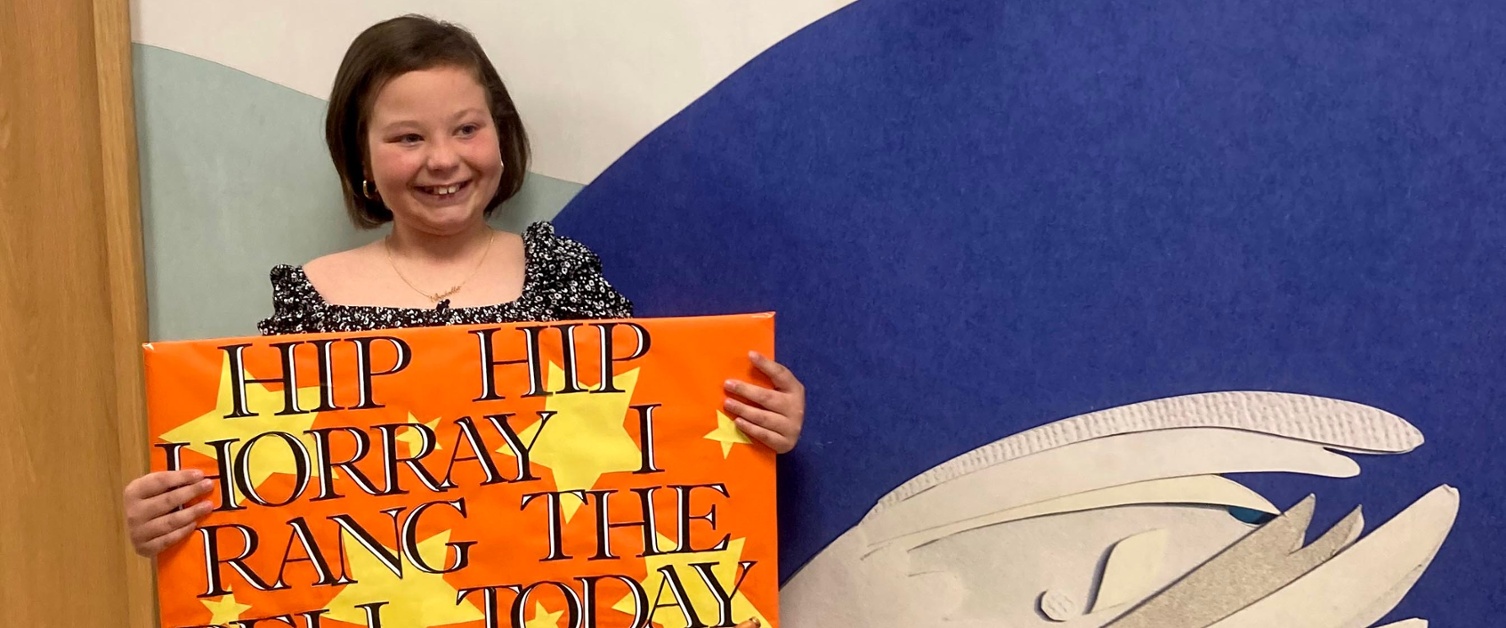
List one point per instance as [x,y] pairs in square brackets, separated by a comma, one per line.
[438,296]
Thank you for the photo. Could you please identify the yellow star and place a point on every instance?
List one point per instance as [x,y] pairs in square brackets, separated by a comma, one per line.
[542,618]
[417,600]
[587,438]
[267,457]
[727,434]
[226,610]
[701,599]
[414,440]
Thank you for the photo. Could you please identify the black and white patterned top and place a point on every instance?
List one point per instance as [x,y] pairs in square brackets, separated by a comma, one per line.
[562,280]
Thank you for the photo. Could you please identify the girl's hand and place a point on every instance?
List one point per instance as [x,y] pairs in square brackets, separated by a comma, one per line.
[772,416]
[152,513]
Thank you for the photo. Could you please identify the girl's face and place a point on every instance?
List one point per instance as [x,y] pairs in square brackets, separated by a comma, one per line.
[432,150]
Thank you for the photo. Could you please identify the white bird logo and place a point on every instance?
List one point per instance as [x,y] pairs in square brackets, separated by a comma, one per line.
[1118,518]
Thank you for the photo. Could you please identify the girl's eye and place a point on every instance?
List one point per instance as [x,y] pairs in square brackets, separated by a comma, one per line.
[469,130]
[410,138]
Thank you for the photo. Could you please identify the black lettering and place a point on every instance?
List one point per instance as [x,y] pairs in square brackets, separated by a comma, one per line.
[367,399]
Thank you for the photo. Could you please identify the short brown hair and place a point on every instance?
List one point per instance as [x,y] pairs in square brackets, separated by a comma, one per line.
[381,53]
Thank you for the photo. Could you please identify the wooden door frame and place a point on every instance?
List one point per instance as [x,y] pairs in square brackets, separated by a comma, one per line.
[127,274]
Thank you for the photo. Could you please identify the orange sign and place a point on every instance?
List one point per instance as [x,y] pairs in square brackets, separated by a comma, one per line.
[535,475]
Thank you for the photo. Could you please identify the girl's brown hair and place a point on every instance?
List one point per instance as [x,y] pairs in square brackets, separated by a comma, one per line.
[385,51]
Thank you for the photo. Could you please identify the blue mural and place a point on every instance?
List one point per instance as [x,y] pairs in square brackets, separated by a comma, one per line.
[979,216]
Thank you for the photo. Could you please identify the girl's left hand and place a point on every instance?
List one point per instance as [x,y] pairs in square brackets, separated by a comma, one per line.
[774,416]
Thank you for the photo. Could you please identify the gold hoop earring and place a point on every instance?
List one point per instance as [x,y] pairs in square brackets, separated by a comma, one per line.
[368,190]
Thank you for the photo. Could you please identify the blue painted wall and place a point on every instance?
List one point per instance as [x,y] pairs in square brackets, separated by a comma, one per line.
[977,216]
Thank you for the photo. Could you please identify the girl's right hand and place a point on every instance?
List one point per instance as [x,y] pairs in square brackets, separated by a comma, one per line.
[152,504]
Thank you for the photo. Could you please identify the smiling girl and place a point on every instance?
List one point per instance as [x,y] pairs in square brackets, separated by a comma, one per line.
[424,135]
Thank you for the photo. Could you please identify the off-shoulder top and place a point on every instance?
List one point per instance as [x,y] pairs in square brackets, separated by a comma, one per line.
[562,280]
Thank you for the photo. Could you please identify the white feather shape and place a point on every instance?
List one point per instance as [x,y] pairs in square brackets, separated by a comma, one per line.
[977,540]
[1208,490]
[1099,463]
[1368,571]
[1336,424]
[1252,568]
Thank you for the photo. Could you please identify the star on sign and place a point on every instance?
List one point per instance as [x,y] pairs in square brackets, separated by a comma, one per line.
[586,438]
[417,600]
[701,599]
[542,618]
[727,434]
[224,610]
[270,455]
[414,438]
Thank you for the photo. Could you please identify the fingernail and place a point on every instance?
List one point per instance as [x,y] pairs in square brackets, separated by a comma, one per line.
[756,623]
[729,384]
[194,475]
[206,485]
[754,355]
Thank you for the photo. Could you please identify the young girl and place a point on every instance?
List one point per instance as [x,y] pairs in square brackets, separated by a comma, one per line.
[425,136]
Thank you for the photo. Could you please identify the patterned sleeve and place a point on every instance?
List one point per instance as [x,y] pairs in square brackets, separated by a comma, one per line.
[578,290]
[291,302]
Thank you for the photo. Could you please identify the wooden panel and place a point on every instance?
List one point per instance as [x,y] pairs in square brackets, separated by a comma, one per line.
[71,307]
[127,273]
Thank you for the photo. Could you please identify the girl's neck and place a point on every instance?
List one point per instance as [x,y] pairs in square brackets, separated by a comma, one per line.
[416,245]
